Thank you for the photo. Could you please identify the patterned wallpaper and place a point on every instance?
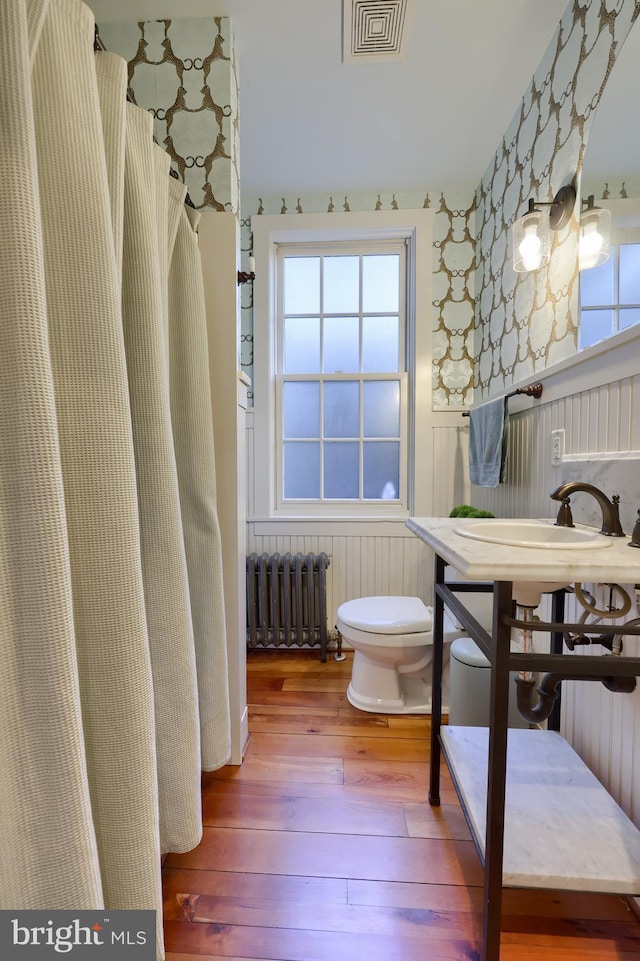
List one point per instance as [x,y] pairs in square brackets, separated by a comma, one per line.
[526,322]
[452,317]
[184,72]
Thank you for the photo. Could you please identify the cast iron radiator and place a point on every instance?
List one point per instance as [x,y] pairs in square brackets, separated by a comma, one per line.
[287,601]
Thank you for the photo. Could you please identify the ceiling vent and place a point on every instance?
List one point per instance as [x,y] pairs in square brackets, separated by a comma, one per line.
[374,31]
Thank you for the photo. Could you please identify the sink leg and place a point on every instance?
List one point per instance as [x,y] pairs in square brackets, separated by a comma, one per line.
[496,773]
[436,686]
[557,616]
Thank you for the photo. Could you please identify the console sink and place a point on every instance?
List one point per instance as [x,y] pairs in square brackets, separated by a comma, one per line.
[542,534]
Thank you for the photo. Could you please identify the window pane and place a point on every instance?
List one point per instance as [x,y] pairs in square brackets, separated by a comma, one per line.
[301,470]
[341,345]
[341,409]
[301,409]
[597,287]
[341,285]
[382,470]
[302,345]
[379,344]
[595,325]
[301,285]
[628,316]
[341,470]
[380,283]
[381,408]
[630,274]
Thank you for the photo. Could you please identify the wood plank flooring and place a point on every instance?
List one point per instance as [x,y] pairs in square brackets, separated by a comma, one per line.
[322,847]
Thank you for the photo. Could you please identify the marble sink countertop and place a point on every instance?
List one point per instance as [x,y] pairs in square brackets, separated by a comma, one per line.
[481,560]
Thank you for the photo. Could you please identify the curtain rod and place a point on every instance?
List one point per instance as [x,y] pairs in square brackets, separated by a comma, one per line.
[99,45]
[533,390]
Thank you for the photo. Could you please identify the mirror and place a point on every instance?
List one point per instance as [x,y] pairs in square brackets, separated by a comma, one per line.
[610,293]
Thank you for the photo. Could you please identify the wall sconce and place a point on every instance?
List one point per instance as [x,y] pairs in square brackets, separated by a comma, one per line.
[245,277]
[595,235]
[532,232]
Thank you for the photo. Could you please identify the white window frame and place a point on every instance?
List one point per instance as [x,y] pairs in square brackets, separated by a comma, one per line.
[415,228]
[347,507]
[620,238]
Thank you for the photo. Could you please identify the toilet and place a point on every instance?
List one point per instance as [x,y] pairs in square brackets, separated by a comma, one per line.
[392,639]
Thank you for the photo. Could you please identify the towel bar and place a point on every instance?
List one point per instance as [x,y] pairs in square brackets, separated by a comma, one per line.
[533,390]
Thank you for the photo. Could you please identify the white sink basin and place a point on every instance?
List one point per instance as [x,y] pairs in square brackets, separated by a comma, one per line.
[542,534]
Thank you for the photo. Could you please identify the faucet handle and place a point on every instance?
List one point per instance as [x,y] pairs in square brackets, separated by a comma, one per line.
[615,503]
[565,517]
[635,537]
[615,508]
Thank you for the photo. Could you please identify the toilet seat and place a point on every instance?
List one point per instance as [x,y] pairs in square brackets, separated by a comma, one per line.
[416,639]
[386,615]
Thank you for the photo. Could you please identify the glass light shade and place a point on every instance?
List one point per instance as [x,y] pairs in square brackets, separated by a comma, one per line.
[531,241]
[595,237]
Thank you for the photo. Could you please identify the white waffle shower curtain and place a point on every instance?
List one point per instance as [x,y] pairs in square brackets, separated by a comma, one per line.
[113,674]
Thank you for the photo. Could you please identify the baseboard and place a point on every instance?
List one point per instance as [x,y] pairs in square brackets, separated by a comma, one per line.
[239,744]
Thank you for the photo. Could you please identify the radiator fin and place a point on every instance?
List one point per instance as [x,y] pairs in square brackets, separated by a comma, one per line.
[287,601]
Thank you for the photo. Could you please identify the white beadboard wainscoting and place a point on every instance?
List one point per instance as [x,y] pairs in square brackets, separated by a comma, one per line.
[604,729]
[361,565]
[602,420]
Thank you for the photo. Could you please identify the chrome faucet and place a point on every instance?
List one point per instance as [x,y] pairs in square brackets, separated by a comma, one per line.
[610,508]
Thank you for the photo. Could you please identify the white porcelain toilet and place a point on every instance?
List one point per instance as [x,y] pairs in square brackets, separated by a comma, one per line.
[392,639]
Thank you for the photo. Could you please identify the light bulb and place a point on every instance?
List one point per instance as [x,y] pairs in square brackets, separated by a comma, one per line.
[531,248]
[595,237]
[531,241]
[590,246]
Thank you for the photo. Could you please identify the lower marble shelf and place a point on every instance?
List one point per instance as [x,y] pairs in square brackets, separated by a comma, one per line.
[562,828]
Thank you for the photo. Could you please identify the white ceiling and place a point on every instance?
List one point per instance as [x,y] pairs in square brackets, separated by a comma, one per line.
[309,123]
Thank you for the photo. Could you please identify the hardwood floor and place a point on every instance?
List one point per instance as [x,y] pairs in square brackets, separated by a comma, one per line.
[322,847]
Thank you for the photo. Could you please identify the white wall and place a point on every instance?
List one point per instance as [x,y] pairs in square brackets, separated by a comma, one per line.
[219,240]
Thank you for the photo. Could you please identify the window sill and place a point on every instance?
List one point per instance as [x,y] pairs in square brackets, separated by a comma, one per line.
[331,526]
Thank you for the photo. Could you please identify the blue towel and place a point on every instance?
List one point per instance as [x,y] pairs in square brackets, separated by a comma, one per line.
[489,443]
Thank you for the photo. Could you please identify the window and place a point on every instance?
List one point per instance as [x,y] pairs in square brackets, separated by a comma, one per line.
[341,381]
[337,391]
[610,295]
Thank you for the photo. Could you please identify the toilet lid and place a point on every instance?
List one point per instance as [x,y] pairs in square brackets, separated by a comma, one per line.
[387,615]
